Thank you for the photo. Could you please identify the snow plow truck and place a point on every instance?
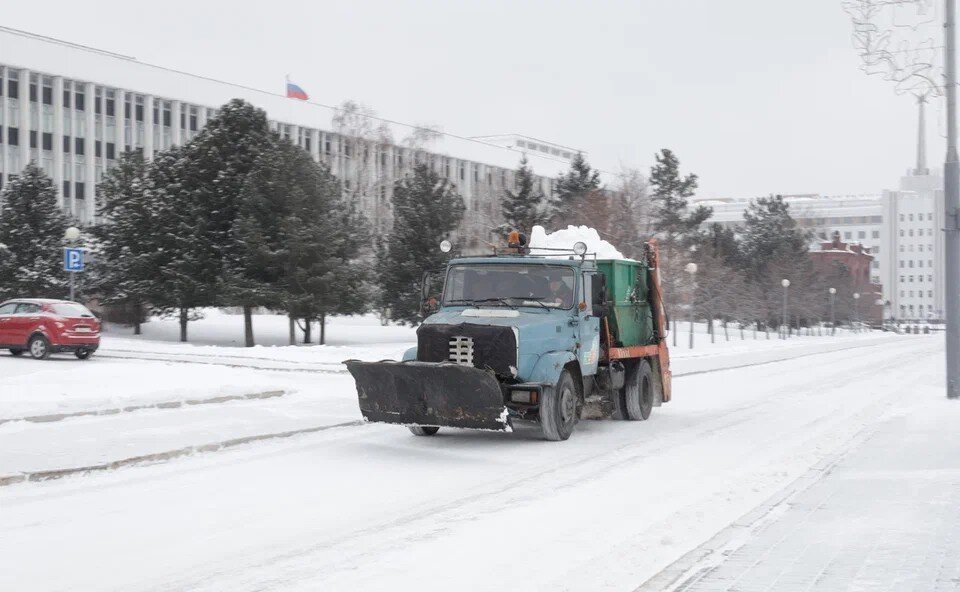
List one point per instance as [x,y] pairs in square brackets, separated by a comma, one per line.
[551,338]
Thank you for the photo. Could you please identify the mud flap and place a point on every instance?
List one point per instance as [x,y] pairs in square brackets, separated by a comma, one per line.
[428,393]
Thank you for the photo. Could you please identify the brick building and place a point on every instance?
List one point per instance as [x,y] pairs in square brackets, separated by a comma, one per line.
[859,261]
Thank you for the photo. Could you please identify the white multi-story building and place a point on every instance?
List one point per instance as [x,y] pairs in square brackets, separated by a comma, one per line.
[914,271]
[74,109]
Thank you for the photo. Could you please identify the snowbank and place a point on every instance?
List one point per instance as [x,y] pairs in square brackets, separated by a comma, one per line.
[565,239]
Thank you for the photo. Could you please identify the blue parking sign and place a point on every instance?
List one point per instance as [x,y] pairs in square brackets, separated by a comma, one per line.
[72,259]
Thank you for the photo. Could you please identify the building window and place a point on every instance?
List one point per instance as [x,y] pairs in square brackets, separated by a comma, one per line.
[901,279]
[902,265]
[47,141]
[847,235]
[80,192]
[193,119]
[111,151]
[930,295]
[901,218]
[920,278]
[902,248]
[875,234]
[66,188]
[98,149]
[13,136]
[66,144]
[910,217]
[13,85]
[80,100]
[78,147]
[33,138]
[901,232]
[929,262]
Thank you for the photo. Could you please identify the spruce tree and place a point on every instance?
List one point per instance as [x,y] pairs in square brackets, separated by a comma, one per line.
[124,264]
[672,218]
[574,187]
[195,190]
[31,238]
[525,207]
[427,209]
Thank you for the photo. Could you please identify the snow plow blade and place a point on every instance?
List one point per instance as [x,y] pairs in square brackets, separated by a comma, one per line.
[427,393]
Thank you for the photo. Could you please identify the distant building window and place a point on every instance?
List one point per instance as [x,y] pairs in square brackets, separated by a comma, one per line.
[910,217]
[901,217]
[901,279]
[66,144]
[930,217]
[929,262]
[847,235]
[567,155]
[80,100]
[521,144]
[862,234]
[901,232]
[66,103]
[902,264]
[80,190]
[139,112]
[13,88]
[910,232]
[78,146]
[66,188]
[47,95]
[111,151]
[33,138]
[47,141]
[13,136]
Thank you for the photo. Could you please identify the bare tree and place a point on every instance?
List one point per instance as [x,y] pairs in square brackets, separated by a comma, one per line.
[896,39]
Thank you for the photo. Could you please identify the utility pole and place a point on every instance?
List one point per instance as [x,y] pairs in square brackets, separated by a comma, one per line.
[951,196]
[786,323]
[833,318]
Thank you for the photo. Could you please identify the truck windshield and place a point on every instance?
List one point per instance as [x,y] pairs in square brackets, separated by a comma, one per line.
[493,284]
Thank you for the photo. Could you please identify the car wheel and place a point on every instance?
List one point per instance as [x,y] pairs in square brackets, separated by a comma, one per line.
[419,430]
[560,409]
[639,392]
[39,347]
[83,354]
[16,352]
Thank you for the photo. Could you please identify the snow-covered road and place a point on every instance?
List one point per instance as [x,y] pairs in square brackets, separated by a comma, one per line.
[369,507]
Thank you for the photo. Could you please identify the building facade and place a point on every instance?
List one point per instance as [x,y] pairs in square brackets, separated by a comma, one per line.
[74,110]
[857,259]
[855,218]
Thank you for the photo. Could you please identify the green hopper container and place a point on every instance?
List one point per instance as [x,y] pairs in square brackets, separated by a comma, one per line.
[628,287]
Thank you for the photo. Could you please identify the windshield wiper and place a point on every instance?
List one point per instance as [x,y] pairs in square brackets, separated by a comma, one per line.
[460,301]
[502,301]
[534,299]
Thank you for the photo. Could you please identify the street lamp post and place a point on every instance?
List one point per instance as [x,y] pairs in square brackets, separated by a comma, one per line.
[71,235]
[786,284]
[691,268]
[833,318]
[856,310]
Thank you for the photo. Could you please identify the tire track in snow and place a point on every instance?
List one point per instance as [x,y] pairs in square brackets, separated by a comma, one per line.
[158,457]
[131,408]
[216,446]
[331,370]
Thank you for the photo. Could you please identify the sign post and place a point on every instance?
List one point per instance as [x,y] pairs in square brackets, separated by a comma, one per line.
[72,264]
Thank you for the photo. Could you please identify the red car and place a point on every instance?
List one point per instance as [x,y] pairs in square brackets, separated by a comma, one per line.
[43,327]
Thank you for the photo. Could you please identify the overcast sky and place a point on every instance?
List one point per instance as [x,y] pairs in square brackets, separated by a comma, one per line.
[755,96]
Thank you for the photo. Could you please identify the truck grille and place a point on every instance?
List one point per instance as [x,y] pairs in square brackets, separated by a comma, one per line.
[461,350]
[486,347]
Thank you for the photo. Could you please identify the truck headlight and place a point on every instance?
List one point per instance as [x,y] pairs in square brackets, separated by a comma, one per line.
[527,397]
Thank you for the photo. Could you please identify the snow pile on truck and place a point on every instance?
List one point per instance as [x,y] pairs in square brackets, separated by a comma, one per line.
[563,239]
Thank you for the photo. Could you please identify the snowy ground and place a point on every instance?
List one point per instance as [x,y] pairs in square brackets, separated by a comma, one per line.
[341,505]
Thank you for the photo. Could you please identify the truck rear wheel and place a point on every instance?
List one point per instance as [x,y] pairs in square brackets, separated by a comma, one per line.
[560,409]
[419,430]
[638,391]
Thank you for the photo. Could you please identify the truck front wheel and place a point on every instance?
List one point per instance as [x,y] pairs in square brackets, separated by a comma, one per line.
[560,409]
[419,430]
[639,391]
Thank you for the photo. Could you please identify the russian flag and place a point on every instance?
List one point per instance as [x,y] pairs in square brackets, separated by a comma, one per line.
[295,92]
